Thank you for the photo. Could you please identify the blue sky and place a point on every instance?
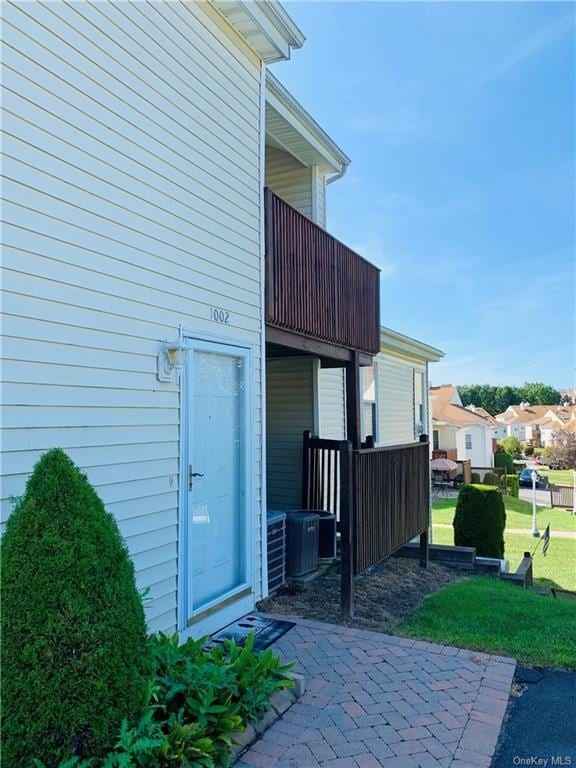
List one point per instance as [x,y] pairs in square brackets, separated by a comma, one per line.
[459,120]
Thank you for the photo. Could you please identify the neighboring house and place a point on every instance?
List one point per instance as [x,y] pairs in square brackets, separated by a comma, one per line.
[535,423]
[160,306]
[461,433]
[396,408]
[541,432]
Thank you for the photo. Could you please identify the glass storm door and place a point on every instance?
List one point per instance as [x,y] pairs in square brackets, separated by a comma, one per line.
[217,470]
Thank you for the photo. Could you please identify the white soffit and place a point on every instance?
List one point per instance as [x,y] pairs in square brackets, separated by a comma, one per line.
[291,128]
[390,339]
[265,26]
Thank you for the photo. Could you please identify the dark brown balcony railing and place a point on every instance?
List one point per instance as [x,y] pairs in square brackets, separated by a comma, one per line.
[380,496]
[315,285]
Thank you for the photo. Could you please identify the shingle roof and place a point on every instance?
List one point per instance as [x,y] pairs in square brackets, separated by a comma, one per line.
[517,415]
[444,410]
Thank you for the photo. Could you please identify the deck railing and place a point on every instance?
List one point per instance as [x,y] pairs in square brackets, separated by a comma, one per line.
[380,495]
[315,285]
[391,499]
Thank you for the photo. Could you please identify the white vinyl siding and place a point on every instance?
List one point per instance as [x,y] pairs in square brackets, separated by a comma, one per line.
[395,398]
[131,206]
[289,179]
[332,403]
[474,442]
[290,410]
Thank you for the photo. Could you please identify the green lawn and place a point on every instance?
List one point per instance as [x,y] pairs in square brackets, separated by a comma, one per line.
[559,476]
[518,515]
[489,615]
[557,569]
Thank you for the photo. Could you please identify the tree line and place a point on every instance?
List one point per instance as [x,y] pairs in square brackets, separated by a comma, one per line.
[497,399]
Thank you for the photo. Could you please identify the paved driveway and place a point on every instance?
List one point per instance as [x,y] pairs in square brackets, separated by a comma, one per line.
[542,497]
[376,700]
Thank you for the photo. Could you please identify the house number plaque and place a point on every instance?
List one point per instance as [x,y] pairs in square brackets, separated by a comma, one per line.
[220,315]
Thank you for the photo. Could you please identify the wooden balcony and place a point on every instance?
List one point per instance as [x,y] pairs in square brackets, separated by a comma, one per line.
[315,285]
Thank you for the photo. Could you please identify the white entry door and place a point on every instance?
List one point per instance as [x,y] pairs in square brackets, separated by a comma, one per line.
[217,526]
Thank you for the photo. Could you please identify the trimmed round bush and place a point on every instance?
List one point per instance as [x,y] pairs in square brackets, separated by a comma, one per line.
[513,485]
[480,520]
[76,658]
[492,478]
[505,461]
[475,477]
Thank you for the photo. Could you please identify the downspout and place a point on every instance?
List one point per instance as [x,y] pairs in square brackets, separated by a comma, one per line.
[338,175]
[263,505]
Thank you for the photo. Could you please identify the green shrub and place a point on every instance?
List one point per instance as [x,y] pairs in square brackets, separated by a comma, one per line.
[528,449]
[234,675]
[475,477]
[75,652]
[480,520]
[492,478]
[511,445]
[513,485]
[200,699]
[505,461]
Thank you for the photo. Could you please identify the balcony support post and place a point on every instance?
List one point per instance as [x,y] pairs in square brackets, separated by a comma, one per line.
[353,401]
[347,529]
[424,549]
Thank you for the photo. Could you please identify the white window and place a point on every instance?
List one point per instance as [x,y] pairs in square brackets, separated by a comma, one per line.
[419,410]
[369,384]
[468,441]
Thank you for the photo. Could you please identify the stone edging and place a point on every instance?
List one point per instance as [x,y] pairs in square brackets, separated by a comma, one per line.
[280,702]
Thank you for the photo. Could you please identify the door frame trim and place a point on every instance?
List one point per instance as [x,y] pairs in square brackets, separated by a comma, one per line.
[193,339]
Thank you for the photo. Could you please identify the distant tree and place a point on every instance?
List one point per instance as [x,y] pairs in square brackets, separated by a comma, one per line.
[511,445]
[537,393]
[562,452]
[497,399]
[481,395]
[505,396]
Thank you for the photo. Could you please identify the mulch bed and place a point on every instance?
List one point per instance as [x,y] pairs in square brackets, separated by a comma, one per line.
[383,596]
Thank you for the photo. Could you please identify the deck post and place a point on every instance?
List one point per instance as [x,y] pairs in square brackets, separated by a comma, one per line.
[353,401]
[424,555]
[305,500]
[346,530]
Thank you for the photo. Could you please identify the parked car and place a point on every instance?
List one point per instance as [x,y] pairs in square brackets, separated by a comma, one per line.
[559,465]
[525,479]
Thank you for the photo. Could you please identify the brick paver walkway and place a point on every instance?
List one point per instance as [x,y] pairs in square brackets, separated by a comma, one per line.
[376,700]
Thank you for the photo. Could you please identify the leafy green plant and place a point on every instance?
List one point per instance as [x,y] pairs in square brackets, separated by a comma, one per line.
[75,649]
[480,520]
[511,445]
[198,700]
[234,676]
[475,477]
[152,744]
[513,485]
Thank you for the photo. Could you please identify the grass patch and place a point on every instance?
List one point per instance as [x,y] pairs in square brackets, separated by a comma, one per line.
[518,515]
[492,616]
[554,570]
[558,476]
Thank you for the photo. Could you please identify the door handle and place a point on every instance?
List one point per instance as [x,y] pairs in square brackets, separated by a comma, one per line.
[192,475]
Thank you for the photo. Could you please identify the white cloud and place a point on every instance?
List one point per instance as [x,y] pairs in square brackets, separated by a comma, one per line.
[533,45]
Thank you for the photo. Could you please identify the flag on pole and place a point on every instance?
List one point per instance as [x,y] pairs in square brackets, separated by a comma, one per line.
[546,540]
